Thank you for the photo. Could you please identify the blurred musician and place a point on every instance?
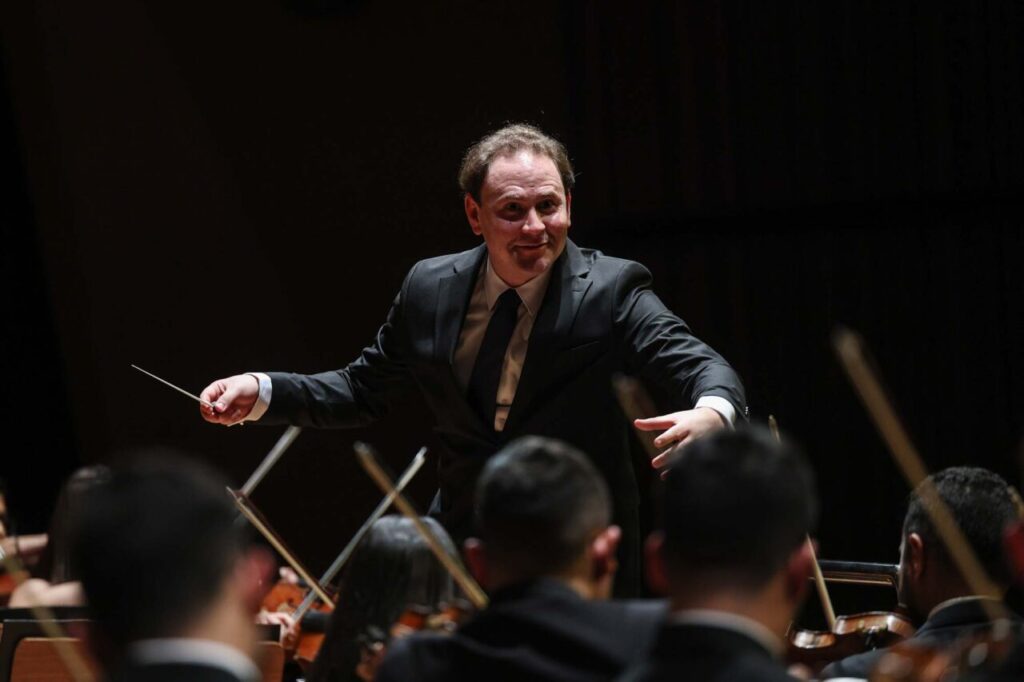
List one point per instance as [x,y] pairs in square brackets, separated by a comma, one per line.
[171,585]
[546,554]
[391,570]
[732,557]
[929,585]
[54,582]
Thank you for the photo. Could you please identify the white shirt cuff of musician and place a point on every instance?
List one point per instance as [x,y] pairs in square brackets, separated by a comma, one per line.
[263,401]
[720,405]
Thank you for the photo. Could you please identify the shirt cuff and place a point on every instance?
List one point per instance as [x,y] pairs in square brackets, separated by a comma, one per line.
[263,401]
[719,405]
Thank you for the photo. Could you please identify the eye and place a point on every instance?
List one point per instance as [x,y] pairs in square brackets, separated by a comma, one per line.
[512,210]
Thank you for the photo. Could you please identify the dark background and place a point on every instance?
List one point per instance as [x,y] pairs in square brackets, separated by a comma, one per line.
[209,188]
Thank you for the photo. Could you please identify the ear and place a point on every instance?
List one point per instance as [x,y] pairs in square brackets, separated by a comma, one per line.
[915,561]
[254,575]
[476,558]
[654,563]
[568,209]
[798,569]
[603,550]
[472,213]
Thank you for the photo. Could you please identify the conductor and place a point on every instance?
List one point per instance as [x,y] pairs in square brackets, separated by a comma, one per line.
[518,336]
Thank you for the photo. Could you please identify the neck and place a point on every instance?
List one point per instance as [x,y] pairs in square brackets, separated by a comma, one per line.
[582,585]
[226,621]
[767,607]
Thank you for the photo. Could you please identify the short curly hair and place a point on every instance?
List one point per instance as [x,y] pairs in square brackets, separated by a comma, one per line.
[508,140]
[982,505]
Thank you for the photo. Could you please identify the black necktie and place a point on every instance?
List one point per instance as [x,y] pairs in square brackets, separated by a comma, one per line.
[483,382]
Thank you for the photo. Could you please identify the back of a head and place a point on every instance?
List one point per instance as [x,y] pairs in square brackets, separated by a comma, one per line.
[505,141]
[391,570]
[153,548]
[982,504]
[735,506]
[55,563]
[539,502]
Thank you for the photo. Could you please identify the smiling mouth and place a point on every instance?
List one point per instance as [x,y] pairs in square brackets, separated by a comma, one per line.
[531,247]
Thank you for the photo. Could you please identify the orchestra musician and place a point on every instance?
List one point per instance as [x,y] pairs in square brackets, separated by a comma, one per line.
[391,569]
[171,584]
[518,336]
[545,551]
[54,582]
[929,584]
[732,557]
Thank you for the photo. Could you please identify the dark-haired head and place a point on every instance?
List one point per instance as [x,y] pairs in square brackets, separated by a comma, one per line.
[506,141]
[55,564]
[540,507]
[983,505]
[391,570]
[156,548]
[736,506]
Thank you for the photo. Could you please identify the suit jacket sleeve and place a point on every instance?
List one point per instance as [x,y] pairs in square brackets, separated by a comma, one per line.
[660,348]
[354,395]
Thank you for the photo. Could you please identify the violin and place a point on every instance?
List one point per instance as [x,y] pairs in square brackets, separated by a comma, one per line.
[285,597]
[851,634]
[373,643]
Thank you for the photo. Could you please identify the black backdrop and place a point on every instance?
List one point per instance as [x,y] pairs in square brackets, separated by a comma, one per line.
[207,188]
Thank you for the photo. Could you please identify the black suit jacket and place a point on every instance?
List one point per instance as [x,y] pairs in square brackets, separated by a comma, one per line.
[708,654]
[599,317]
[941,630]
[536,631]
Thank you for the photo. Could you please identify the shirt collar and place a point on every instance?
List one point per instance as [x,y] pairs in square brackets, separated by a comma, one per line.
[195,651]
[730,621]
[531,293]
[957,600]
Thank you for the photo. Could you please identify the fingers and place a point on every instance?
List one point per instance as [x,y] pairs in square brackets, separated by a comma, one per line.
[671,454]
[654,423]
[230,399]
[674,435]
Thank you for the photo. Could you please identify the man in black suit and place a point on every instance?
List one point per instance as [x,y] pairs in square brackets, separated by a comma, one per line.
[929,583]
[546,554]
[460,328]
[733,558]
[170,585]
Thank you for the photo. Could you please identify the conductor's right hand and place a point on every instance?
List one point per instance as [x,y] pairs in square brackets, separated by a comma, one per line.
[232,399]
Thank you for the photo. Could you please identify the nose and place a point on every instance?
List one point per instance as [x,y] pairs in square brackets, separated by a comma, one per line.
[533,223]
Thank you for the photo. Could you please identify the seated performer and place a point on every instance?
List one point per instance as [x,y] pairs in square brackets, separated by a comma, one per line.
[25,548]
[391,570]
[170,582]
[929,584]
[546,554]
[54,582]
[732,557]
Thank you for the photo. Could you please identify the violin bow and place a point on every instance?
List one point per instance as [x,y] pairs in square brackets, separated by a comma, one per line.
[819,577]
[272,457]
[636,404]
[73,661]
[346,553]
[249,510]
[849,347]
[469,586]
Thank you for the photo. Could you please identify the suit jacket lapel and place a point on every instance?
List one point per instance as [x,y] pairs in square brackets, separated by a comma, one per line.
[453,294]
[551,329]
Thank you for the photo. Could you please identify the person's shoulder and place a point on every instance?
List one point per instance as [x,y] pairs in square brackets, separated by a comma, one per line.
[858,665]
[609,270]
[420,656]
[436,266]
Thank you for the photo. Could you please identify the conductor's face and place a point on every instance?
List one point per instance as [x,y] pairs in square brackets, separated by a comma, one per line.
[523,215]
